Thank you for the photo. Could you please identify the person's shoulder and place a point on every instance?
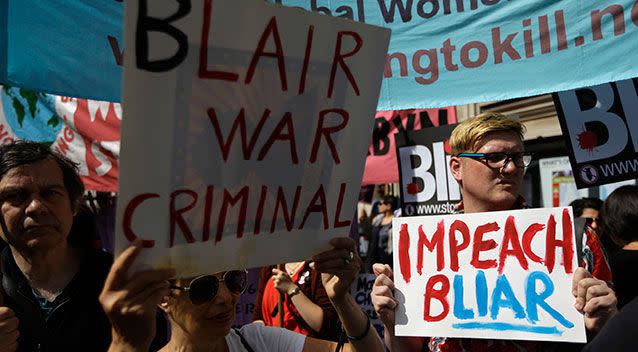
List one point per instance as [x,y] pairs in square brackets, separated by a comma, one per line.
[260,336]
[377,219]
[256,329]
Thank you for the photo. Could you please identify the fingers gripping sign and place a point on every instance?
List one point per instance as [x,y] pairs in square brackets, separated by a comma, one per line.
[594,298]
[383,294]
[339,267]
[130,301]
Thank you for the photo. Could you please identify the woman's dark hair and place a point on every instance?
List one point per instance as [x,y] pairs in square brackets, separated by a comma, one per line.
[390,200]
[619,215]
[20,153]
[583,203]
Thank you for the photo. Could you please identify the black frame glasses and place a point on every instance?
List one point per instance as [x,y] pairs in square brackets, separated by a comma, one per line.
[204,288]
[499,160]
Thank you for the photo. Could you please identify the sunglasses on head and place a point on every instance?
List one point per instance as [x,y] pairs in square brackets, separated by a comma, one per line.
[204,288]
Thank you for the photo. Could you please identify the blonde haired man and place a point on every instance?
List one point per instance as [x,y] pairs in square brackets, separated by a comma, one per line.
[489,162]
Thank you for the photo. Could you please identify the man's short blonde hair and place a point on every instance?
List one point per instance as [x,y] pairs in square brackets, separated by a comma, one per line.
[469,132]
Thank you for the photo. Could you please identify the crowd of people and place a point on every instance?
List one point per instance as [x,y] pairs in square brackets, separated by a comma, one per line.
[60,293]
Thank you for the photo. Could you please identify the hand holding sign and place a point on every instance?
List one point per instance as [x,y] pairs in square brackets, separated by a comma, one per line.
[594,298]
[339,267]
[383,296]
[130,302]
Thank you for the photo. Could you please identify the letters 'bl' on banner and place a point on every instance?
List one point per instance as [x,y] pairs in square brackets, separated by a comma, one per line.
[601,123]
[503,275]
[247,130]
[427,185]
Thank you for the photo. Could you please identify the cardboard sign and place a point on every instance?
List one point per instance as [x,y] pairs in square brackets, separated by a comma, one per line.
[360,291]
[381,163]
[502,275]
[602,125]
[259,131]
[427,186]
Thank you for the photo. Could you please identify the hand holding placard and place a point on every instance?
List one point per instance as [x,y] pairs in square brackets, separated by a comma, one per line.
[130,302]
[594,298]
[382,296]
[339,267]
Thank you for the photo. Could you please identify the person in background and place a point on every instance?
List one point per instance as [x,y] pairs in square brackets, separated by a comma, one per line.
[380,240]
[364,229]
[594,251]
[587,208]
[201,310]
[306,307]
[489,163]
[619,216]
[379,194]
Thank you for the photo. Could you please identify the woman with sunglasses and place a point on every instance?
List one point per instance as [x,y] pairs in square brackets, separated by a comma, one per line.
[201,310]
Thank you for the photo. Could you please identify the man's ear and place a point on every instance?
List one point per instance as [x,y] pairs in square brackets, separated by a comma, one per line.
[456,168]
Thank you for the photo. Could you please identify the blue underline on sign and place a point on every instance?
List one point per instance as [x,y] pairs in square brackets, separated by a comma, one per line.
[546,330]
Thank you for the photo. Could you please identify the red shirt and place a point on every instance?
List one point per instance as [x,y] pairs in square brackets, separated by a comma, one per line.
[269,305]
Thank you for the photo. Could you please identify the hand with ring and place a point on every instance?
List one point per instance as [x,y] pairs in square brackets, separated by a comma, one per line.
[339,267]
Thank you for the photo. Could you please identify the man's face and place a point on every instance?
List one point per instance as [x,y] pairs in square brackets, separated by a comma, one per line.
[484,188]
[35,206]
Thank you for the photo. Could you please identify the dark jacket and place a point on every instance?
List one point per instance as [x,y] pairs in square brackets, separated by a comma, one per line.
[77,323]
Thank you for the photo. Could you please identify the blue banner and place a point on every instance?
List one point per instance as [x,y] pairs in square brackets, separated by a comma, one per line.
[69,48]
[442,53]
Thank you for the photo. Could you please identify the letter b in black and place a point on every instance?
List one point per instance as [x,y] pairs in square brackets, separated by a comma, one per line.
[147,24]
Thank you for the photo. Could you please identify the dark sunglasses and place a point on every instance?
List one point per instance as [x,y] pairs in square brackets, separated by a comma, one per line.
[499,160]
[204,288]
[590,221]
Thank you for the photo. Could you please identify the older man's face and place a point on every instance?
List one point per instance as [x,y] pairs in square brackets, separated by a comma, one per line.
[485,188]
[35,206]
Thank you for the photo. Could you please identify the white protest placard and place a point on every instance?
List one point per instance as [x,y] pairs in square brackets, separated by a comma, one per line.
[247,130]
[502,275]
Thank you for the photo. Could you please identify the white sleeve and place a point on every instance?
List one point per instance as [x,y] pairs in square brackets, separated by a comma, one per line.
[267,338]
